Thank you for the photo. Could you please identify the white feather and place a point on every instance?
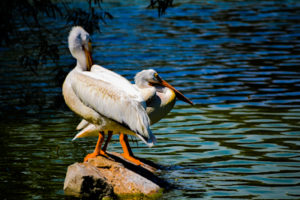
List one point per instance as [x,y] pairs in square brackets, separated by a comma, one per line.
[88,131]
[82,124]
[104,95]
[103,98]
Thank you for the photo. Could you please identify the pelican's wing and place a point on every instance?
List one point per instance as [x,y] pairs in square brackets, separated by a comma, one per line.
[106,72]
[123,83]
[114,99]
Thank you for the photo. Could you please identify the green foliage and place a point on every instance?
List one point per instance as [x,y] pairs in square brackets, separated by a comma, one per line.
[33,23]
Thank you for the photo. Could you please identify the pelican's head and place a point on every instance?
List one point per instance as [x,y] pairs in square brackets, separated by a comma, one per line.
[150,78]
[80,47]
[143,78]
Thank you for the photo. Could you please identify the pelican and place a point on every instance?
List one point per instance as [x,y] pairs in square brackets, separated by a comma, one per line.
[104,98]
[159,95]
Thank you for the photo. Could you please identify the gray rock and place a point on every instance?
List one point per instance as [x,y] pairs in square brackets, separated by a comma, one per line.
[102,177]
[85,180]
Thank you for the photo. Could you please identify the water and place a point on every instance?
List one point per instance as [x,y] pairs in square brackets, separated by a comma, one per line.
[237,60]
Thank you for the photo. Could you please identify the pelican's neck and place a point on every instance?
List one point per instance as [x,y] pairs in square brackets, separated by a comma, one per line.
[80,66]
[142,84]
[166,95]
[78,42]
[147,92]
[80,56]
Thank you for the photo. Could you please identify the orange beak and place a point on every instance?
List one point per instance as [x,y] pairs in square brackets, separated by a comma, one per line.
[89,58]
[179,95]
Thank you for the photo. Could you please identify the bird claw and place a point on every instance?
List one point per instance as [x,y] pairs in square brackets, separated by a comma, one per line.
[132,159]
[94,155]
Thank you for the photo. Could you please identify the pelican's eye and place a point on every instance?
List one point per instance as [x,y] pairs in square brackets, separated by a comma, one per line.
[157,77]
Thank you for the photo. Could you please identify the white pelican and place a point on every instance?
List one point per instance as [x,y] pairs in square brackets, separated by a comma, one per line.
[104,98]
[159,95]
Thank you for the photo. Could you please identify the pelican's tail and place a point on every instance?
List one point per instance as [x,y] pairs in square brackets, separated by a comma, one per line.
[143,127]
[88,131]
[82,124]
[150,141]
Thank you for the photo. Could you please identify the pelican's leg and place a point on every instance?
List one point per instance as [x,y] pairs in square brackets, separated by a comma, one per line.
[107,141]
[98,150]
[127,150]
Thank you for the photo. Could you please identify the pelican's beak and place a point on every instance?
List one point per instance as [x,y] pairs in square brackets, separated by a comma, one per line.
[179,95]
[88,57]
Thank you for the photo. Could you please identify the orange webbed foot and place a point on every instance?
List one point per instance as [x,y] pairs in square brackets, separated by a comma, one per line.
[128,155]
[94,155]
[90,155]
[132,159]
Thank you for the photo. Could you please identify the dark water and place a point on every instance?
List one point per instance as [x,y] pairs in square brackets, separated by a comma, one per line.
[237,60]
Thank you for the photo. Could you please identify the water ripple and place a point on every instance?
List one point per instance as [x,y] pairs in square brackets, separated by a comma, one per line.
[238,62]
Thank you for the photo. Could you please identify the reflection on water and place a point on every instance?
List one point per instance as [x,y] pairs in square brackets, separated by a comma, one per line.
[237,60]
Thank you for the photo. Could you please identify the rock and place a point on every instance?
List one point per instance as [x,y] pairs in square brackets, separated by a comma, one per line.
[109,177]
[85,180]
